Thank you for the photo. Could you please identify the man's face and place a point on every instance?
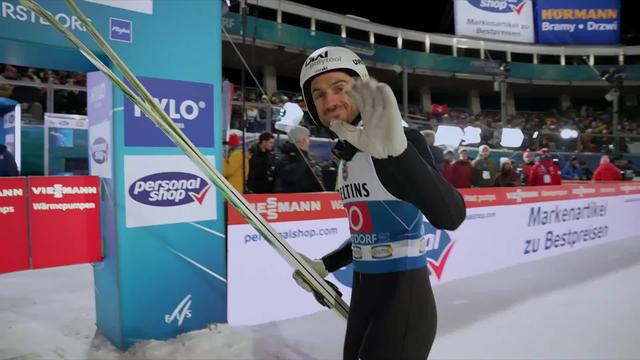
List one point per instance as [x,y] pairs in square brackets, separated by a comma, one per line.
[528,157]
[485,152]
[267,145]
[332,103]
[464,155]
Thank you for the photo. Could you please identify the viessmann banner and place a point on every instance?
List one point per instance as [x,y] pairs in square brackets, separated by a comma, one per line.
[50,220]
[504,20]
[561,22]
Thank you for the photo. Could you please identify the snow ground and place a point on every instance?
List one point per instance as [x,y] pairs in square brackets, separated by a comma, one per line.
[581,305]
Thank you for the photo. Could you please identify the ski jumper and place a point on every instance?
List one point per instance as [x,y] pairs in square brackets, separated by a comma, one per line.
[393,311]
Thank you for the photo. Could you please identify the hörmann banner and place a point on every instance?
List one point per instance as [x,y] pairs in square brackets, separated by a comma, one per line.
[561,22]
[505,20]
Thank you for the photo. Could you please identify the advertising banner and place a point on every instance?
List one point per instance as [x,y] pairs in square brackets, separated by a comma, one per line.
[11,133]
[189,104]
[313,223]
[64,216]
[504,20]
[65,134]
[527,232]
[99,115]
[569,22]
[507,226]
[166,190]
[14,241]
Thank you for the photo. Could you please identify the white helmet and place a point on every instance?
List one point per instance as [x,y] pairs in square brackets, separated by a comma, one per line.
[329,58]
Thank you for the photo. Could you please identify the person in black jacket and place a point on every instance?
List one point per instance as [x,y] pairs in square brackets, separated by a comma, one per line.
[261,178]
[436,152]
[8,166]
[387,181]
[296,170]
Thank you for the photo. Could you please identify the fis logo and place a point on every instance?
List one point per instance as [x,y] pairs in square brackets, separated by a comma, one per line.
[181,312]
[500,6]
[169,189]
[438,245]
[188,104]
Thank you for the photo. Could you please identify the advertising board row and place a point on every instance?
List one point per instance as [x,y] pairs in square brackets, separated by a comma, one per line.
[554,22]
[503,227]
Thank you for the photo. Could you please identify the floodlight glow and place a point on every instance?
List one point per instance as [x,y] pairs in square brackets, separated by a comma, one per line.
[568,134]
[471,135]
[448,136]
[511,137]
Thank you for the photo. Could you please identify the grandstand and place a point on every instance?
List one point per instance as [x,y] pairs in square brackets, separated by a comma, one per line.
[546,88]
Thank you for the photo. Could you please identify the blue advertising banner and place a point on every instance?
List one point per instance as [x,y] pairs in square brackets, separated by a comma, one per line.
[561,22]
[189,104]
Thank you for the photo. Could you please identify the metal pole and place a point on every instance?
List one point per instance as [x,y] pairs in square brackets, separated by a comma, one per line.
[46,146]
[243,124]
[269,113]
[616,104]
[503,100]
[405,91]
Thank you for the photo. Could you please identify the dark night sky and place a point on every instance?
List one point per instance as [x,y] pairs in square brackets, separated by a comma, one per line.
[436,16]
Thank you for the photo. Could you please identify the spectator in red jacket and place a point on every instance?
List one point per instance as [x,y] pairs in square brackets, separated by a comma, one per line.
[606,171]
[544,172]
[461,170]
[447,166]
[527,164]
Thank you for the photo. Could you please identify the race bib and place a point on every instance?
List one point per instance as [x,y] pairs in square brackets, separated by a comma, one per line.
[546,179]
[486,175]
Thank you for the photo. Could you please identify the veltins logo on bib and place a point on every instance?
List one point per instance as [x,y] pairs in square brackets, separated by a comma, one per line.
[188,104]
[500,6]
[169,189]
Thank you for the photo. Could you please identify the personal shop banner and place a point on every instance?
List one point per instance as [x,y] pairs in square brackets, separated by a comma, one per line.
[312,223]
[503,20]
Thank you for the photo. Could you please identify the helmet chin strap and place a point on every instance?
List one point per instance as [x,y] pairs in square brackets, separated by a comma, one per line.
[356,120]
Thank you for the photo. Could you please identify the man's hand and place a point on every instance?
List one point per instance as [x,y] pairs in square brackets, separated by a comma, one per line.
[317,265]
[381,133]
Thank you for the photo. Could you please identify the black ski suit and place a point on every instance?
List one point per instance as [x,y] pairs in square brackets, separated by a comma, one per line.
[393,312]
